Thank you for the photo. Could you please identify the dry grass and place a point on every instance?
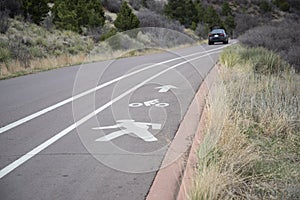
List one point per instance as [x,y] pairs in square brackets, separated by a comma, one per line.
[27,48]
[16,68]
[252,142]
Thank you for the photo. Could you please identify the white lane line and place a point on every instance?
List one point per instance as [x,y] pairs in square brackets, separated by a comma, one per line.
[64,132]
[48,109]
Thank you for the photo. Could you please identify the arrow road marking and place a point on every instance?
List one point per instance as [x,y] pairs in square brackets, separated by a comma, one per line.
[73,98]
[139,129]
[6,170]
[165,88]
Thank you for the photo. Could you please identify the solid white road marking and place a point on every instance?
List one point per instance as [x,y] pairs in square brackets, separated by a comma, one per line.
[64,132]
[59,104]
[165,88]
[139,129]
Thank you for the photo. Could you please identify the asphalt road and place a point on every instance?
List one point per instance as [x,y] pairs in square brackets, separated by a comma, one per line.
[95,131]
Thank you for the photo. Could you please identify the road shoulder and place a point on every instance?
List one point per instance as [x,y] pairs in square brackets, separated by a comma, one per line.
[171,182]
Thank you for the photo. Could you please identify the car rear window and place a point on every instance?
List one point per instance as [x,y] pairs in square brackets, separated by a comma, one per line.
[217,31]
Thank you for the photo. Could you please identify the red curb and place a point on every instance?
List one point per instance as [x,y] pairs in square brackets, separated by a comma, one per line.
[175,175]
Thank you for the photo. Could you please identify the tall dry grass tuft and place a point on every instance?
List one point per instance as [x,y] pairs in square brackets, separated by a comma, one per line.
[252,141]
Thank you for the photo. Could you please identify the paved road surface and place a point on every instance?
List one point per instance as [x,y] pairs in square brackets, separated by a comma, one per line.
[108,141]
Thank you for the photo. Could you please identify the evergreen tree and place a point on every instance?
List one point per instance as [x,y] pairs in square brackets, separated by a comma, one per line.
[191,14]
[12,7]
[65,16]
[265,6]
[36,10]
[229,24]
[185,12]
[283,5]
[175,10]
[75,14]
[226,10]
[200,11]
[144,4]
[90,13]
[211,17]
[126,19]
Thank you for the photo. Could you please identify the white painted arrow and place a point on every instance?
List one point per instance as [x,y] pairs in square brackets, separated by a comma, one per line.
[128,126]
[165,88]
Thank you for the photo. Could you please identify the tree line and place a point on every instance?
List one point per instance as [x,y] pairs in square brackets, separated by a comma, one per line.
[71,15]
[190,13]
[75,15]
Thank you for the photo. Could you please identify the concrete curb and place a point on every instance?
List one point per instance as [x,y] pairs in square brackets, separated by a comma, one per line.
[172,182]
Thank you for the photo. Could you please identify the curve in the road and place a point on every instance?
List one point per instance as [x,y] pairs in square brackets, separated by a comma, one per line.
[67,130]
[66,101]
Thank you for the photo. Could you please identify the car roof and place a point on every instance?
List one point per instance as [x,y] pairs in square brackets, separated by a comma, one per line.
[218,30]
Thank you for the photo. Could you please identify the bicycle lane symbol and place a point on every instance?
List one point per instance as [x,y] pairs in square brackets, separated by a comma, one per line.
[154,102]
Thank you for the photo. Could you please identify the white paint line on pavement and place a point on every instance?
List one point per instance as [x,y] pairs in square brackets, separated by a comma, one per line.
[64,132]
[59,104]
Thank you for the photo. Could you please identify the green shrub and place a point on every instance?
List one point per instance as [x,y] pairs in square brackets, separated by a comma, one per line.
[268,62]
[75,14]
[4,22]
[265,6]
[285,6]
[5,55]
[282,5]
[126,19]
[57,52]
[41,41]
[109,34]
[260,59]
[229,57]
[194,26]
[276,37]
[36,52]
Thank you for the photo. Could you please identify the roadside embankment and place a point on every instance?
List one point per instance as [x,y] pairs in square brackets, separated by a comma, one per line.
[250,144]
[28,48]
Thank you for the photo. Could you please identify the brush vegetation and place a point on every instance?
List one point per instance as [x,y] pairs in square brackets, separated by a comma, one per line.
[251,147]
[40,35]
[27,47]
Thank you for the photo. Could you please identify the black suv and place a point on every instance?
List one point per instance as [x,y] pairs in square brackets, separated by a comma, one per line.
[217,35]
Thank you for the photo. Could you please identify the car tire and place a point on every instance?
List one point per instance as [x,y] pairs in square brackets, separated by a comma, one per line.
[210,43]
[226,42]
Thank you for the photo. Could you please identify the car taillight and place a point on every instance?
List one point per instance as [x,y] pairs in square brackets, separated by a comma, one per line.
[209,35]
[222,34]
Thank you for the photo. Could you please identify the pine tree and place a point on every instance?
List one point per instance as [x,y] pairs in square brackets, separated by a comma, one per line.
[126,19]
[75,14]
[200,11]
[65,16]
[185,12]
[191,14]
[283,5]
[90,13]
[211,17]
[36,10]
[229,24]
[175,10]
[226,10]
[12,7]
